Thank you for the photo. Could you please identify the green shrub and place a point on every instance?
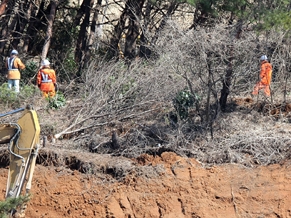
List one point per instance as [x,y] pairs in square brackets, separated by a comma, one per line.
[127,86]
[28,91]
[10,96]
[7,95]
[11,204]
[182,102]
[29,72]
[57,101]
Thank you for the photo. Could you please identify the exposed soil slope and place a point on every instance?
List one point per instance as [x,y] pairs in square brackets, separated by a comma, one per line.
[161,186]
[231,178]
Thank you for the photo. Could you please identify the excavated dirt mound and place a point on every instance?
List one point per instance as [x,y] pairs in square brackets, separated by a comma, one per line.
[161,186]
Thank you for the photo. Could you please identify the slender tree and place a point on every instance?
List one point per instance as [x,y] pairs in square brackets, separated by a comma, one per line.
[92,35]
[144,50]
[226,82]
[133,28]
[172,6]
[49,32]
[23,16]
[36,25]
[113,50]
[83,33]
[7,24]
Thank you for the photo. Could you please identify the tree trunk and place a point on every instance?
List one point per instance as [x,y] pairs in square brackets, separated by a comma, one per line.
[49,32]
[93,28]
[83,35]
[22,21]
[99,28]
[113,50]
[93,33]
[228,75]
[144,50]
[7,25]
[225,87]
[35,23]
[209,86]
[171,10]
[133,29]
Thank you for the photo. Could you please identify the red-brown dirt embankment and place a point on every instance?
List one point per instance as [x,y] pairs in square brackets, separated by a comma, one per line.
[166,186]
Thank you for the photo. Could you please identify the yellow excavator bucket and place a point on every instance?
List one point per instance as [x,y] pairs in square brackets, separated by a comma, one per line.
[23,138]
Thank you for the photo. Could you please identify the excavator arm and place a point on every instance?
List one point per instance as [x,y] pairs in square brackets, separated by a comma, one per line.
[23,145]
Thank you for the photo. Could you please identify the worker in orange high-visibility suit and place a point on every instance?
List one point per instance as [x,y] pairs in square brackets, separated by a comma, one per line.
[14,64]
[46,79]
[265,77]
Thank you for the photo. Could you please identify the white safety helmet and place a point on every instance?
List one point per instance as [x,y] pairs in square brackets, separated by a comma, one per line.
[45,62]
[263,58]
[14,52]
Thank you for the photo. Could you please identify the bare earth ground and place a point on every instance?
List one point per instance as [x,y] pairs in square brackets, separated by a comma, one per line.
[75,184]
[166,186]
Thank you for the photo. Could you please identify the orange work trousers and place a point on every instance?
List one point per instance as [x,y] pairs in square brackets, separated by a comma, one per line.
[263,86]
[48,94]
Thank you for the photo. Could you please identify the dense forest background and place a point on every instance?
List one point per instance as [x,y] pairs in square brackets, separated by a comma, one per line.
[153,73]
[73,33]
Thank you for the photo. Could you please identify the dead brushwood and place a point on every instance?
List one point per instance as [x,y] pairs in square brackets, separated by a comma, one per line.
[136,99]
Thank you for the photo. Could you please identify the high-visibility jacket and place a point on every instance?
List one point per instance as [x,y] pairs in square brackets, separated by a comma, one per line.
[266,73]
[14,64]
[46,79]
